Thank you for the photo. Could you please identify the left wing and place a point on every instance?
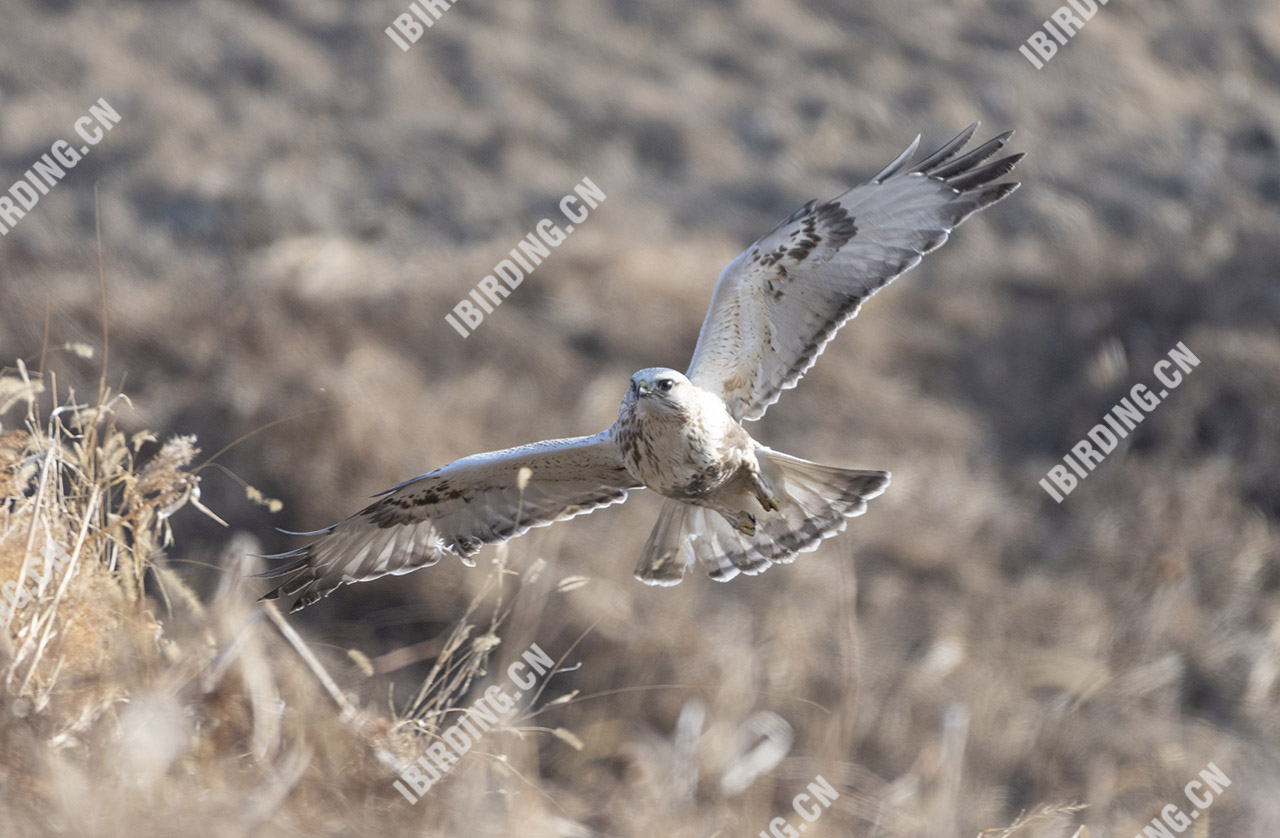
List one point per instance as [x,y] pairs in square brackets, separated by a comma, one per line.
[777,305]
[455,510]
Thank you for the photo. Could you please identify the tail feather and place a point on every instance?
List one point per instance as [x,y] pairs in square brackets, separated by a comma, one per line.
[669,551]
[816,502]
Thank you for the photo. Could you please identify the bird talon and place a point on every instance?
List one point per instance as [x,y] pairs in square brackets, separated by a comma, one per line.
[770,504]
[747,524]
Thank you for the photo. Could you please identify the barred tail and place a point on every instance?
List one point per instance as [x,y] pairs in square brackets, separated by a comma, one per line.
[815,502]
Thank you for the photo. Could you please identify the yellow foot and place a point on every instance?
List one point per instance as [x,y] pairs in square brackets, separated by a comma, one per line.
[770,504]
[747,524]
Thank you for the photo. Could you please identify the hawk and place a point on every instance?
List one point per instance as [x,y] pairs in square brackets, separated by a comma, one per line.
[731,503]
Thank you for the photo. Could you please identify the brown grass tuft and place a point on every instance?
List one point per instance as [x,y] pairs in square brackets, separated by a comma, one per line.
[134,707]
[120,716]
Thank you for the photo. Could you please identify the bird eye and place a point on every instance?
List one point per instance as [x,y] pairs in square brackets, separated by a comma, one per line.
[665,385]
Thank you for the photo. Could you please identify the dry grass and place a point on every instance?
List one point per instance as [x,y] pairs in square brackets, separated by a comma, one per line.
[136,708]
[290,206]
[997,659]
[132,707]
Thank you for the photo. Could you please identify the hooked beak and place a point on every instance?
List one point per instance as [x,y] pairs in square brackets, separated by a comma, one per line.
[642,388]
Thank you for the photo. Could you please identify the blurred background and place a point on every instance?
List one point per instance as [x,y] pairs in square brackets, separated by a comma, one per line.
[290,204]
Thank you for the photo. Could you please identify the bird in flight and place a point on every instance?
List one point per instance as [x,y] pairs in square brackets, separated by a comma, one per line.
[731,503]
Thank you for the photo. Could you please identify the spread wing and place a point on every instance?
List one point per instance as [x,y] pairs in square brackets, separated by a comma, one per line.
[777,305]
[455,510]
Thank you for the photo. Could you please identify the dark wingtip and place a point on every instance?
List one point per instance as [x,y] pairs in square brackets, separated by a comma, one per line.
[299,564]
[998,192]
[982,175]
[900,161]
[300,559]
[946,151]
[307,599]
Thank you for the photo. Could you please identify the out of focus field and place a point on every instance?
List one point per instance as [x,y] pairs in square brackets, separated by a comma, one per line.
[290,205]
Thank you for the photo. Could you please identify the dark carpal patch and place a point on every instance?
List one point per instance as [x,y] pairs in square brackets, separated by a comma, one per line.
[394,511]
[829,224]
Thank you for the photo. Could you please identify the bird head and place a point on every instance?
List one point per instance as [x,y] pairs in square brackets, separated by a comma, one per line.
[658,388]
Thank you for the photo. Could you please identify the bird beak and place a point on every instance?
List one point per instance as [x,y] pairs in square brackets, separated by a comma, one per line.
[643,387]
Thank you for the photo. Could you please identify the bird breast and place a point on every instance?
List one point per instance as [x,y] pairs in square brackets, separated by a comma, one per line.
[682,454]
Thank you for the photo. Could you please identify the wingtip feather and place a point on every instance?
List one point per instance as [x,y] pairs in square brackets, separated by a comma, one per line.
[900,161]
[982,175]
[947,150]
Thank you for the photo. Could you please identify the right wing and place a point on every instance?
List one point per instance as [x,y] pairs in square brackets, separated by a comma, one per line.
[455,510]
[776,305]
